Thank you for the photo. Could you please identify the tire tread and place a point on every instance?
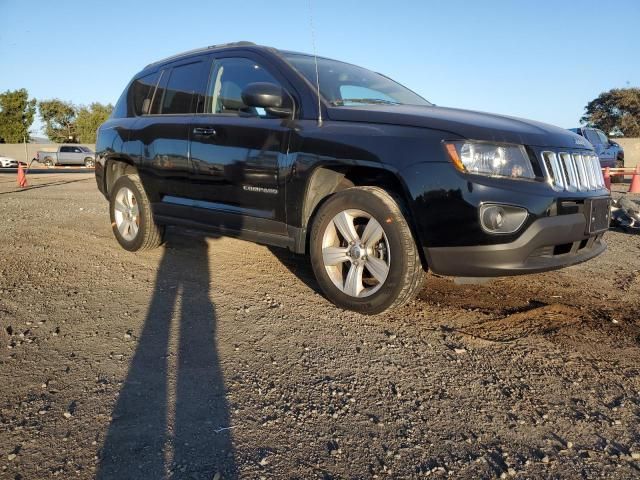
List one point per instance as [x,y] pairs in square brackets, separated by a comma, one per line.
[411,275]
[414,276]
[152,233]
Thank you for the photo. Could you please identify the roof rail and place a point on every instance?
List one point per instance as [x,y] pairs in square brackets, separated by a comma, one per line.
[242,43]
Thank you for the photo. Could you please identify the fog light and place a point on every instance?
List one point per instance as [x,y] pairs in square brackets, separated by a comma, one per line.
[493,218]
[501,218]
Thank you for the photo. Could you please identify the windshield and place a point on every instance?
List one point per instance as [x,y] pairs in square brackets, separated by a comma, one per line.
[85,149]
[342,84]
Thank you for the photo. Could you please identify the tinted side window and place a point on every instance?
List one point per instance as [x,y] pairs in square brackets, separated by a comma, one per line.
[230,76]
[185,89]
[65,149]
[141,92]
[156,100]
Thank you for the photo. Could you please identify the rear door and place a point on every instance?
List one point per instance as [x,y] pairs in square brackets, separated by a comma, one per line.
[65,155]
[236,151]
[76,156]
[163,129]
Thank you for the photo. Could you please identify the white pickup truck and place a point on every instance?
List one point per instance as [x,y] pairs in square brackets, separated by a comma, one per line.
[68,155]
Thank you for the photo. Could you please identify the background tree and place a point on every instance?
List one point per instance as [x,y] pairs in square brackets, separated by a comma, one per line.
[59,118]
[615,110]
[16,115]
[89,119]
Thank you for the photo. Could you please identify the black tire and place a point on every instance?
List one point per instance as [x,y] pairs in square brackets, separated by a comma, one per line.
[89,162]
[48,162]
[150,235]
[405,274]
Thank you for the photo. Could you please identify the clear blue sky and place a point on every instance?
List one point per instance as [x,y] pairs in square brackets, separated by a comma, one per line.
[542,59]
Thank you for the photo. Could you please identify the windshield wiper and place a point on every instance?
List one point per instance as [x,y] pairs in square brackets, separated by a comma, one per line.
[378,101]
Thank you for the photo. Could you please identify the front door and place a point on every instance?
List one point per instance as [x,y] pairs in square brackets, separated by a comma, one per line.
[236,152]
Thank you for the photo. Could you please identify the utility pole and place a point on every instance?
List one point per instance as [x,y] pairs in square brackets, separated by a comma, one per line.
[26,153]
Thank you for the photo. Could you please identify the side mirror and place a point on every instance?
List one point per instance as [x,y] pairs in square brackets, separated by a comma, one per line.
[273,98]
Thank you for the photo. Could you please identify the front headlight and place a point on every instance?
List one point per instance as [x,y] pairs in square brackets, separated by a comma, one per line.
[492,159]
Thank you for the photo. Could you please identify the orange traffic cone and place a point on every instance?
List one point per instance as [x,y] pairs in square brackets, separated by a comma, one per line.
[635,181]
[22,177]
[607,178]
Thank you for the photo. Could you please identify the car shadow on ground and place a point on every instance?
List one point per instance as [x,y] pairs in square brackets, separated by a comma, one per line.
[299,265]
[171,418]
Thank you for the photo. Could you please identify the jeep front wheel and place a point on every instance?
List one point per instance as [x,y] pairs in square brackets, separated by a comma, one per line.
[363,253]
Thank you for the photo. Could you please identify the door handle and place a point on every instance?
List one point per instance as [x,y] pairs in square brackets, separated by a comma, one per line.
[204,131]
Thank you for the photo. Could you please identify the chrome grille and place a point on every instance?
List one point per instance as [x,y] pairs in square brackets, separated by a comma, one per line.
[572,171]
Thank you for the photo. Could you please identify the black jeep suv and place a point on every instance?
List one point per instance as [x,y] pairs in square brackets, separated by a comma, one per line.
[371,180]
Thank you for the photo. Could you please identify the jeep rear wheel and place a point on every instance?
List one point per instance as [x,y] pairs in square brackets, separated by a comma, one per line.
[131,217]
[363,253]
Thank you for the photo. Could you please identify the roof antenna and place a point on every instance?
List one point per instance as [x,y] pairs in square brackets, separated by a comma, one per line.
[315,59]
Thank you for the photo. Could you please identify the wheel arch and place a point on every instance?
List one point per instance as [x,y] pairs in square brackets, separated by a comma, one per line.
[115,168]
[326,180]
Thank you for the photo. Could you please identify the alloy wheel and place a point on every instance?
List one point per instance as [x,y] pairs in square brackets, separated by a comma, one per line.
[127,214]
[356,253]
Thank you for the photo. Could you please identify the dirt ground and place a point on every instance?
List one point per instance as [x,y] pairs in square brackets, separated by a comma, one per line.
[217,358]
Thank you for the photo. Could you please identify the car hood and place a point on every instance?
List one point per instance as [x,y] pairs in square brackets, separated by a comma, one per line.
[465,123]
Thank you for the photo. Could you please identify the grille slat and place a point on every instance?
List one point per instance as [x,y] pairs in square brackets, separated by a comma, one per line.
[592,173]
[573,172]
[570,171]
[587,167]
[582,172]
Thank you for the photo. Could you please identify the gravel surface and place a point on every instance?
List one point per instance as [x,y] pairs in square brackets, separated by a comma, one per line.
[217,358]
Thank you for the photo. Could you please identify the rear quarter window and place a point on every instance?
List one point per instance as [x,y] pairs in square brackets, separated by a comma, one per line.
[141,92]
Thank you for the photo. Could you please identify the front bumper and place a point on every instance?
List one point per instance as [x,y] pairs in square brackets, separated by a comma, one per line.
[548,243]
